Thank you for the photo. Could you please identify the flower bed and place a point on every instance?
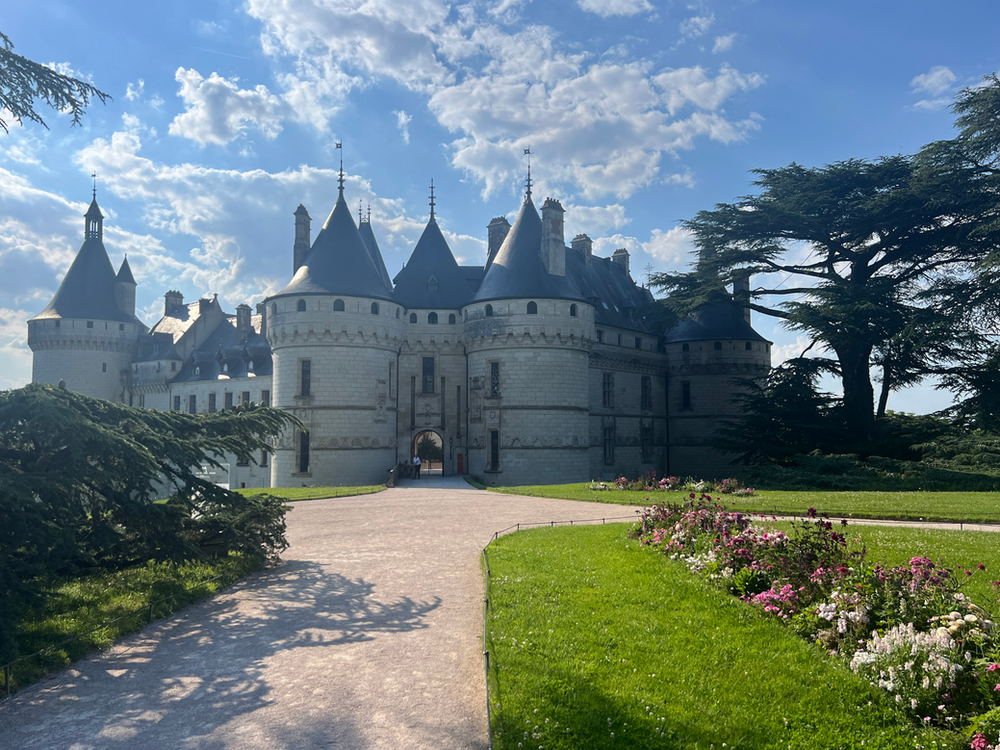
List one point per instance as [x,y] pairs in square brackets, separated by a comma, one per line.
[909,630]
[649,483]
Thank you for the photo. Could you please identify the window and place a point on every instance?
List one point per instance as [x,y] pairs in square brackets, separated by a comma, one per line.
[192,404]
[600,336]
[428,379]
[397,313]
[242,461]
[638,342]
[717,346]
[90,324]
[228,401]
[265,398]
[608,390]
[572,311]
[451,319]
[173,367]
[177,403]
[58,323]
[245,398]
[647,392]
[303,452]
[748,346]
[685,347]
[685,395]
[494,379]
[301,307]
[274,308]
[646,442]
[212,408]
[104,366]
[609,445]
[263,458]
[413,317]
[142,400]
[489,311]
[619,339]
[494,450]
[338,305]
[374,308]
[121,326]
[532,308]
[305,377]
[432,318]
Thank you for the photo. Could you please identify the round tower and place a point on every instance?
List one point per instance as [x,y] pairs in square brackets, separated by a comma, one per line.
[528,333]
[334,333]
[707,356]
[87,335]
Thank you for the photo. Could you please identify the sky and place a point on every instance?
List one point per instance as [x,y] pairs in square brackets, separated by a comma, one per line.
[638,114]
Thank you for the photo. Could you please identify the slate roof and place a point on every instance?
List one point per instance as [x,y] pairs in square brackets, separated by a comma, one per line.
[368,236]
[616,298]
[88,288]
[156,345]
[713,322]
[339,262]
[432,258]
[517,270]
[227,346]
[125,272]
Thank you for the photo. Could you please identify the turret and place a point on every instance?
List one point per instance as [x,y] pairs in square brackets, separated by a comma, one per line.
[497,229]
[302,236]
[741,294]
[553,245]
[171,301]
[242,321]
[125,288]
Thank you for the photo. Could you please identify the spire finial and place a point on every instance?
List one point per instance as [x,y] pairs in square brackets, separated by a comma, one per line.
[369,213]
[527,152]
[360,215]
[94,175]
[340,180]
[432,199]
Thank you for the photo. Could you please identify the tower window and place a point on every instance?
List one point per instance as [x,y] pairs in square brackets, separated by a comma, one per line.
[303,452]
[717,346]
[572,311]
[489,311]
[301,307]
[121,326]
[274,308]
[685,395]
[104,366]
[428,375]
[494,379]
[413,317]
[608,390]
[338,305]
[748,346]
[646,442]
[619,339]
[90,324]
[374,308]
[609,445]
[397,313]
[263,458]
[494,450]
[173,367]
[647,392]
[600,336]
[451,318]
[57,323]
[685,347]
[305,377]
[638,342]
[432,318]
[532,308]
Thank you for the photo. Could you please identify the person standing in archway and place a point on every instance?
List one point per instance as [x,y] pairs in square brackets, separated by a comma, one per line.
[416,466]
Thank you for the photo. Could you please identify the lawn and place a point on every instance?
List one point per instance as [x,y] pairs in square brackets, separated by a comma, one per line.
[293,494]
[981,507]
[597,643]
[75,606]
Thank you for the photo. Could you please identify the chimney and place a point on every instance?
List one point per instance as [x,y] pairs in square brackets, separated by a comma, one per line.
[498,229]
[262,312]
[741,293]
[553,245]
[585,246]
[243,320]
[302,237]
[620,256]
[171,301]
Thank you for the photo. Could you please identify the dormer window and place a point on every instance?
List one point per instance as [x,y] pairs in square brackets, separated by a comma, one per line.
[432,284]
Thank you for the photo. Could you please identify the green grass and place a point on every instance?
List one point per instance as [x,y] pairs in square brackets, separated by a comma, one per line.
[75,606]
[944,506]
[597,643]
[293,494]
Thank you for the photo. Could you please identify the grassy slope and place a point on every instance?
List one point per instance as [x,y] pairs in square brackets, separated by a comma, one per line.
[958,506]
[75,606]
[313,493]
[590,635]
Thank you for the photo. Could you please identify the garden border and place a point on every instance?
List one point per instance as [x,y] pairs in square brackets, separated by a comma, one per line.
[486,599]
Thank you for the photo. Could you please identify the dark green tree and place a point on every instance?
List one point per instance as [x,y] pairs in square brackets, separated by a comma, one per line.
[24,82]
[428,449]
[79,477]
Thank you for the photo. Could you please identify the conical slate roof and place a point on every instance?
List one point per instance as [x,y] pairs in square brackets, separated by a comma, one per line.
[518,270]
[125,273]
[88,289]
[339,262]
[715,321]
[365,230]
[432,277]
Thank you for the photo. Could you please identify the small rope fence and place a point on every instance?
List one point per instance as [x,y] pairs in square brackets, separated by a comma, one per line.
[146,610]
[486,600]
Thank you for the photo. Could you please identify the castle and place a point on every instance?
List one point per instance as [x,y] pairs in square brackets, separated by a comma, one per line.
[537,367]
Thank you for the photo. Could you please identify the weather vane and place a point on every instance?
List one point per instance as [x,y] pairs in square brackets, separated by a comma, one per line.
[340,180]
[432,199]
[94,175]
[527,152]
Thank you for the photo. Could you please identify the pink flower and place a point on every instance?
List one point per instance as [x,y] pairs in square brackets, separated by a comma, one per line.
[979,743]
[993,667]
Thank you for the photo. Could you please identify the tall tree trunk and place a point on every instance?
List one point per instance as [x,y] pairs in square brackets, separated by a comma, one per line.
[883,396]
[859,396]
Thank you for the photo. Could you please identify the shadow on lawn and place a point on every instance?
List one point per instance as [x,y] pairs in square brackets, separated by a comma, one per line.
[177,682]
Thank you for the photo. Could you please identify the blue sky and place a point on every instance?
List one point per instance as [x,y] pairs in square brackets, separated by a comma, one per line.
[638,113]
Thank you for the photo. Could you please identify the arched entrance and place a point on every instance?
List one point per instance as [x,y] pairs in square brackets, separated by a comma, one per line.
[430,447]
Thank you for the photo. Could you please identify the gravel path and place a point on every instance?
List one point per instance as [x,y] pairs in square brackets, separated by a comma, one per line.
[367,636]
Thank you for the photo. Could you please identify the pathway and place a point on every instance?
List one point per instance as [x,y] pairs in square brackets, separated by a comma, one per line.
[367,636]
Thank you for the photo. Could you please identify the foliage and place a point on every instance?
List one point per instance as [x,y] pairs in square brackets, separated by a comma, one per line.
[428,449]
[79,476]
[649,483]
[23,82]
[294,494]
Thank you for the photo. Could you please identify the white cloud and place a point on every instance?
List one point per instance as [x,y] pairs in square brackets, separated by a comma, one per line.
[403,124]
[723,43]
[935,81]
[134,91]
[673,247]
[218,111]
[696,25]
[784,352]
[682,86]
[14,352]
[606,8]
